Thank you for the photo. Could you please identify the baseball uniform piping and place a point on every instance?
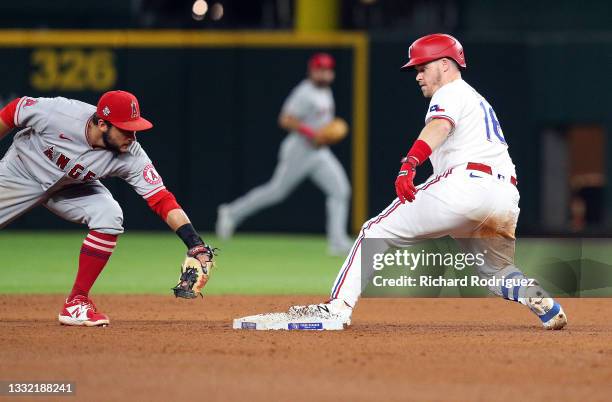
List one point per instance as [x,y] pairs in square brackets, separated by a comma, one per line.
[87,132]
[153,192]
[444,117]
[437,179]
[344,274]
[19,105]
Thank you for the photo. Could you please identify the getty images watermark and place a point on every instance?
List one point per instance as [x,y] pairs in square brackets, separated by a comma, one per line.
[565,267]
[413,259]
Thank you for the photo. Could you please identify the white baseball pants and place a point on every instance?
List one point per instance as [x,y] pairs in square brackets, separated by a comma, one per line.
[465,204]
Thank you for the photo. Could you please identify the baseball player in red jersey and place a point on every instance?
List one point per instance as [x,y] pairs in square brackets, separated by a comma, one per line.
[57,159]
[472,195]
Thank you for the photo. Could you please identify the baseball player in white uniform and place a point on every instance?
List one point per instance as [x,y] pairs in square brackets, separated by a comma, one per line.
[472,195]
[309,107]
[57,159]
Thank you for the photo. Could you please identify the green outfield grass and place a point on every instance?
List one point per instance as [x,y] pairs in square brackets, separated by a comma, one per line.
[45,262]
[148,263]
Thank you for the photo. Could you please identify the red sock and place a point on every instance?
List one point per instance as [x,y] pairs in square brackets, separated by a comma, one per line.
[95,252]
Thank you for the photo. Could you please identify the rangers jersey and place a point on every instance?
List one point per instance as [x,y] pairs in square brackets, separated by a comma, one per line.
[476,136]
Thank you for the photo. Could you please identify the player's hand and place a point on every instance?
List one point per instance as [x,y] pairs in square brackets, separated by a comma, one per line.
[404,184]
[203,253]
[195,272]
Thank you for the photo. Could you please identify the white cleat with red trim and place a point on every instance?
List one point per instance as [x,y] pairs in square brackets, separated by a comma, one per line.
[81,311]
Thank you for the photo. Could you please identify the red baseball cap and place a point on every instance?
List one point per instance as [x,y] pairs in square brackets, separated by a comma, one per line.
[321,60]
[122,110]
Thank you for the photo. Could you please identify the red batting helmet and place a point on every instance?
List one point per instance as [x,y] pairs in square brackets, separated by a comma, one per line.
[121,109]
[434,47]
[321,60]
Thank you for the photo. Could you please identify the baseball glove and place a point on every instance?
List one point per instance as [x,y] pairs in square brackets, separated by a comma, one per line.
[332,133]
[194,273]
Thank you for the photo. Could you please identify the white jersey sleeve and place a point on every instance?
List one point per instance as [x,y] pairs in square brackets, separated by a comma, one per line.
[446,103]
[476,136]
[298,103]
[138,171]
[34,112]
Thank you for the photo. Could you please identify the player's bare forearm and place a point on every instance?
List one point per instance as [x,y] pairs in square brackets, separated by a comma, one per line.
[180,224]
[177,218]
[292,123]
[435,132]
[288,122]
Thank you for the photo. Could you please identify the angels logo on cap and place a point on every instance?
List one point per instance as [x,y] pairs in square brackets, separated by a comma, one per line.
[121,109]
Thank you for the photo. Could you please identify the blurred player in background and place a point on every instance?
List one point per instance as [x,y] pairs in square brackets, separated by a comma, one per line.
[58,158]
[309,107]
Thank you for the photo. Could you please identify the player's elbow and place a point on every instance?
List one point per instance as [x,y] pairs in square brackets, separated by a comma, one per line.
[288,122]
[442,125]
[284,122]
[163,203]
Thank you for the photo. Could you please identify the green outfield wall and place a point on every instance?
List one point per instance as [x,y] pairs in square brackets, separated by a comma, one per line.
[215,98]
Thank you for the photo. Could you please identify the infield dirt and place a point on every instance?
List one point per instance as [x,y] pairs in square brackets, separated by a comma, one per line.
[161,348]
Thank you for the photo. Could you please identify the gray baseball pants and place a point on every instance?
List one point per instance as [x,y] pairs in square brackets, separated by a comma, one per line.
[297,161]
[89,203]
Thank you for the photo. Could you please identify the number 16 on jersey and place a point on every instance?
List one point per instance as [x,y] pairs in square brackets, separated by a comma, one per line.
[497,130]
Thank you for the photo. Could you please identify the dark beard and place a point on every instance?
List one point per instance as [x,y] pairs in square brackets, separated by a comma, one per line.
[107,144]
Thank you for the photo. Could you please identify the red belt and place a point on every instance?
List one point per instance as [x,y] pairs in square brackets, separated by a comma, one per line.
[481,167]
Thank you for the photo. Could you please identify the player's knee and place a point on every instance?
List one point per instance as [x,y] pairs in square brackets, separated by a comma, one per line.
[277,192]
[368,230]
[341,190]
[108,218]
[364,228]
[344,189]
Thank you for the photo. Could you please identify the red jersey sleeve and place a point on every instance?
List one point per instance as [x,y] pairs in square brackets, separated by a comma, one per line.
[7,114]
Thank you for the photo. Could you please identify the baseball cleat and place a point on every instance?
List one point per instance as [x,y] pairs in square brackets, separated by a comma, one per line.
[225,225]
[548,311]
[336,309]
[81,311]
